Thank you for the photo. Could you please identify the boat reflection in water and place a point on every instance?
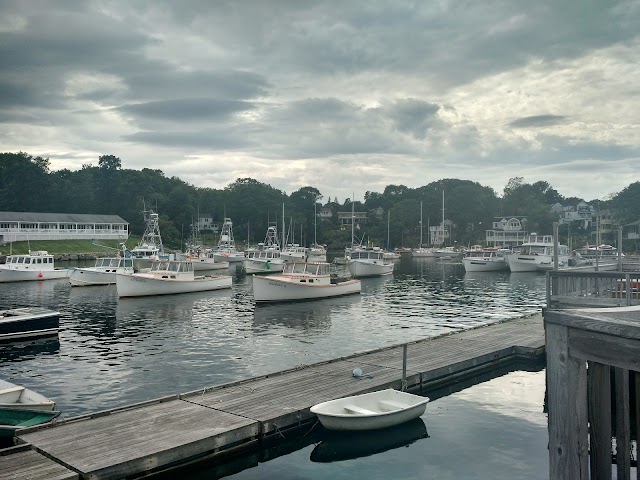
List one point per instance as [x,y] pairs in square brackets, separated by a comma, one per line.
[338,446]
[303,315]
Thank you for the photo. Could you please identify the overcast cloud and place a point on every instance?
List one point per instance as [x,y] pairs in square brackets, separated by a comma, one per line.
[344,96]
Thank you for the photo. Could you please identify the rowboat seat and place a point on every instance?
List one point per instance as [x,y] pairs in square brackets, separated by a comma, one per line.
[392,405]
[17,388]
[358,410]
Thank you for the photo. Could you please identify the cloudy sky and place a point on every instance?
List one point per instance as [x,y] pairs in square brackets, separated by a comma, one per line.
[346,96]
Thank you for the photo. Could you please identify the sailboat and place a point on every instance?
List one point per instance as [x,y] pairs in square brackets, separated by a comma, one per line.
[226,250]
[202,258]
[388,254]
[421,252]
[293,252]
[316,253]
[446,252]
[366,261]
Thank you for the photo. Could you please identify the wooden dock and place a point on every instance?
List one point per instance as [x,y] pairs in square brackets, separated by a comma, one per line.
[171,431]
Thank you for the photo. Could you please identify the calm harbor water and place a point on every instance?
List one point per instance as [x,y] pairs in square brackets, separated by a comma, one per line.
[113,352]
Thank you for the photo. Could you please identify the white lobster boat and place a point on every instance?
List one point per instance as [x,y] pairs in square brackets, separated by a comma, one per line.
[36,265]
[102,273]
[370,411]
[537,251]
[317,253]
[266,258]
[226,250]
[203,260]
[168,277]
[302,281]
[369,262]
[486,260]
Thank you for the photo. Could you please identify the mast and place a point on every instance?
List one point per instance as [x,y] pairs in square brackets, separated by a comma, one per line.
[315,224]
[388,227]
[420,246]
[443,227]
[353,219]
[284,242]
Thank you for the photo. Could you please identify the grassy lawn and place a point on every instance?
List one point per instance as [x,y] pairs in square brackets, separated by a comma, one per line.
[66,246]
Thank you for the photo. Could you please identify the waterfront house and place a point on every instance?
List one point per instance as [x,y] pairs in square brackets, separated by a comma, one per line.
[508,230]
[21,226]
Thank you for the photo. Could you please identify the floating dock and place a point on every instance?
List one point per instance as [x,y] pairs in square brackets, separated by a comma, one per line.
[168,432]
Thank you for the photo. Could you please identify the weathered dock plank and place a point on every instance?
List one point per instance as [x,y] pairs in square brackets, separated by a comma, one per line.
[23,463]
[153,436]
[138,440]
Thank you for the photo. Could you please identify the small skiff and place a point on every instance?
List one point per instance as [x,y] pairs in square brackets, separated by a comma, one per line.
[18,397]
[370,411]
[12,420]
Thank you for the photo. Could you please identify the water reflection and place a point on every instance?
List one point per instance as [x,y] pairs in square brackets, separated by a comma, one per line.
[338,446]
[26,350]
[109,349]
[310,315]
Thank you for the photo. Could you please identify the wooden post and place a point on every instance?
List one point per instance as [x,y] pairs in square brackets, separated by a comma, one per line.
[599,385]
[623,434]
[637,407]
[567,395]
[404,367]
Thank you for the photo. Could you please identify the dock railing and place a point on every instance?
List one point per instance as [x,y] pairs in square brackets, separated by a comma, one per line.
[583,347]
[575,289]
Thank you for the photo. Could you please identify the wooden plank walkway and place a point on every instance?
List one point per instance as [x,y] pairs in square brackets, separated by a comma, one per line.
[156,435]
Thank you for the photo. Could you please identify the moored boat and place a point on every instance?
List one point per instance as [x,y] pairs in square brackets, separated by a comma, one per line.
[538,250]
[302,281]
[317,253]
[28,322]
[102,273]
[34,266]
[369,262]
[226,250]
[150,247]
[12,420]
[168,277]
[370,411]
[485,260]
[21,398]
[266,257]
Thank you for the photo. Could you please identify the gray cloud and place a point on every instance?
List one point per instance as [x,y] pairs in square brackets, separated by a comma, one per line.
[402,92]
[538,121]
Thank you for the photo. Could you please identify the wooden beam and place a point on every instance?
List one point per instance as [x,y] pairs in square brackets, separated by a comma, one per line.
[599,385]
[567,394]
[623,434]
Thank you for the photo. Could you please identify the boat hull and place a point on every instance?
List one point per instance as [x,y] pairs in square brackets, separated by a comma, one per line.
[11,275]
[140,285]
[12,420]
[370,411]
[229,257]
[267,289]
[262,266]
[18,397]
[30,322]
[81,277]
[206,264]
[531,263]
[480,265]
[373,268]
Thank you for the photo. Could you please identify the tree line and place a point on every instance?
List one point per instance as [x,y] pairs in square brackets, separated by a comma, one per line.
[28,184]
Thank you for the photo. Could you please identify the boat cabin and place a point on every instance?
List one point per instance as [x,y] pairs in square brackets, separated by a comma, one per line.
[307,269]
[40,260]
[172,268]
[375,254]
[114,262]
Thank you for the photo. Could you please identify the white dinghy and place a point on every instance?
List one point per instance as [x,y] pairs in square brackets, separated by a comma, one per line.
[18,397]
[370,411]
